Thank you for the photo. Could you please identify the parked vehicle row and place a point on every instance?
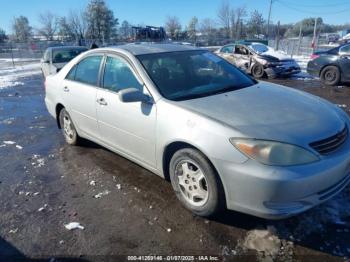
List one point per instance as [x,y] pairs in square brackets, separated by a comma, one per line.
[259,60]
[223,139]
[332,66]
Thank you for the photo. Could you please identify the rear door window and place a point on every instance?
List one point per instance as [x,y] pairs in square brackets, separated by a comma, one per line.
[86,71]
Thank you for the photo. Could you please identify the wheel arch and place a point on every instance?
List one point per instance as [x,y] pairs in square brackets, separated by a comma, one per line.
[173,147]
[326,65]
[58,109]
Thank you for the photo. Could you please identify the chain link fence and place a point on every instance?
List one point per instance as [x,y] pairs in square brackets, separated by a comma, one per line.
[299,46]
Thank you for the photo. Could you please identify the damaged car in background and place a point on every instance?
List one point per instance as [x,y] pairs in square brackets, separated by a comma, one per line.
[56,57]
[259,60]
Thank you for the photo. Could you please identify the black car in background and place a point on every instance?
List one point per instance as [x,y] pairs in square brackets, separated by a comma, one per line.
[332,66]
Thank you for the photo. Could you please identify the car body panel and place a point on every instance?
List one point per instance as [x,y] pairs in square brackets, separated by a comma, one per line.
[261,111]
[331,57]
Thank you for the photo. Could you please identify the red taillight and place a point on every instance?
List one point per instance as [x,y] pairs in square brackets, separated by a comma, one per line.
[314,56]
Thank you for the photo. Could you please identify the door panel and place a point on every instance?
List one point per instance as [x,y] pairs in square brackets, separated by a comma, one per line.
[80,100]
[128,127]
[79,91]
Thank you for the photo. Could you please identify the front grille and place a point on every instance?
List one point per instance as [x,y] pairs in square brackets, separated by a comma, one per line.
[330,144]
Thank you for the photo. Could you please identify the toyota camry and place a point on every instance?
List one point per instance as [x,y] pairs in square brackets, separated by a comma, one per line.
[223,139]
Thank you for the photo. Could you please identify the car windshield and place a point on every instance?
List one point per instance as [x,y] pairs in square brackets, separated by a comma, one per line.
[259,48]
[65,55]
[193,74]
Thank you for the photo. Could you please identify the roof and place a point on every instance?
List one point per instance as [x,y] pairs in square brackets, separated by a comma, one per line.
[152,48]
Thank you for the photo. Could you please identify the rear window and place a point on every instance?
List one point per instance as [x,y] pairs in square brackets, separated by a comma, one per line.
[65,55]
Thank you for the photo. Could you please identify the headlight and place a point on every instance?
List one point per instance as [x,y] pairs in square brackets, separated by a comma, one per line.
[273,153]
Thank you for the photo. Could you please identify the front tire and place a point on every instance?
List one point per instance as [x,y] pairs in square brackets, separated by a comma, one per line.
[196,183]
[330,76]
[69,132]
[258,71]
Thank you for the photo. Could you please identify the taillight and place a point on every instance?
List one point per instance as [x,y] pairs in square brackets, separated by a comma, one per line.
[314,56]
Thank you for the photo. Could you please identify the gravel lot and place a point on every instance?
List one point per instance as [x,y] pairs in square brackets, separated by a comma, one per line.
[124,209]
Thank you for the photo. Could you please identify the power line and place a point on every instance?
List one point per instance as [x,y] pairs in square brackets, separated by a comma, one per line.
[312,5]
[329,12]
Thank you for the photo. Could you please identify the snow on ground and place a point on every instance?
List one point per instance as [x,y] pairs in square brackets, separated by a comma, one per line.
[12,76]
[302,60]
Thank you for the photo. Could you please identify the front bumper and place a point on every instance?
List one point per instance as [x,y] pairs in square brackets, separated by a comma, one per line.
[273,72]
[279,192]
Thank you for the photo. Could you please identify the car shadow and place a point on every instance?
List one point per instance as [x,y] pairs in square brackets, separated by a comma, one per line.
[8,252]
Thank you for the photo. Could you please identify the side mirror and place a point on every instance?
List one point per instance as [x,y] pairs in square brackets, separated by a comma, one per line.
[133,95]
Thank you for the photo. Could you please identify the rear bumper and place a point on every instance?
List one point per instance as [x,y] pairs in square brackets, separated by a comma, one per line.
[312,69]
[279,192]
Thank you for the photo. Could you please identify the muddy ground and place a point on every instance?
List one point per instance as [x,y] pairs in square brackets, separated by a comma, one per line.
[45,184]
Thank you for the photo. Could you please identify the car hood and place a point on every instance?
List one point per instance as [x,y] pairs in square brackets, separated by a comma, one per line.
[269,111]
[277,54]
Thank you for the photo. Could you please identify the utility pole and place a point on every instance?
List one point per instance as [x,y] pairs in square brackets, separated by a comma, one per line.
[268,21]
[313,44]
[278,36]
[300,37]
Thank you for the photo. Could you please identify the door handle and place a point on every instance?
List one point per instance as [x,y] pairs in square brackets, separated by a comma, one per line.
[65,89]
[101,101]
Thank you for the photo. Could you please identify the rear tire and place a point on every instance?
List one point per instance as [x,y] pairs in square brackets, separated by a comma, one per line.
[258,71]
[69,132]
[196,183]
[330,76]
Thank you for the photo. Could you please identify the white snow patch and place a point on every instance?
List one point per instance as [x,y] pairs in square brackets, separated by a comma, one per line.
[38,162]
[118,186]
[19,147]
[7,121]
[73,225]
[11,76]
[42,208]
[13,231]
[9,142]
[101,194]
[263,241]
[92,183]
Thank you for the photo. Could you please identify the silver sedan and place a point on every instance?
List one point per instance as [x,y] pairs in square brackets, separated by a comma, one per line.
[223,139]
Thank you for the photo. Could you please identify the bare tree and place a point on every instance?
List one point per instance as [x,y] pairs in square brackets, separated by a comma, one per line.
[49,23]
[77,23]
[192,28]
[207,27]
[240,12]
[173,26]
[224,14]
[21,28]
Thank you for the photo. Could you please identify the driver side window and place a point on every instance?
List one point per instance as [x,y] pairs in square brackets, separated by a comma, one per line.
[241,50]
[118,75]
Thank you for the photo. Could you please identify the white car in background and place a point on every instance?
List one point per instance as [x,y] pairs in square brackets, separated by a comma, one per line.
[55,58]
